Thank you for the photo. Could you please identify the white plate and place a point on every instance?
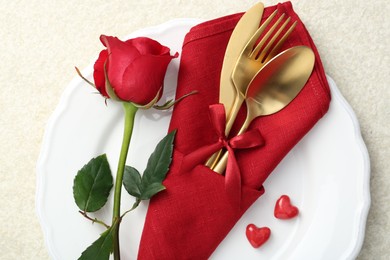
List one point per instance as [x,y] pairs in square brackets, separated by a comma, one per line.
[326,175]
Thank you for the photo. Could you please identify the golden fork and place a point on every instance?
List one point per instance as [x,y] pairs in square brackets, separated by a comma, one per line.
[251,60]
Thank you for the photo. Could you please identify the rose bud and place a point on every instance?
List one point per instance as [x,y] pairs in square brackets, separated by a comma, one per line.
[132,70]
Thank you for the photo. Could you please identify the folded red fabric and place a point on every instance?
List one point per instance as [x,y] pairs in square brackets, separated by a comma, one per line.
[193,215]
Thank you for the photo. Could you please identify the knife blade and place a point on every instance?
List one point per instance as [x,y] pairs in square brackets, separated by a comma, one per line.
[242,32]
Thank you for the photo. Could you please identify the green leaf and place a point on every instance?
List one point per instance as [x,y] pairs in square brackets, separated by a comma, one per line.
[151,190]
[132,181]
[102,247]
[159,161]
[157,167]
[145,187]
[92,184]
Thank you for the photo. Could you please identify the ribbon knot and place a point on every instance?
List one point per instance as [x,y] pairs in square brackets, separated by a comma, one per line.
[246,140]
[224,141]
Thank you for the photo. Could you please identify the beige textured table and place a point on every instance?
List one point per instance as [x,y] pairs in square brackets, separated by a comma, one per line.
[41,41]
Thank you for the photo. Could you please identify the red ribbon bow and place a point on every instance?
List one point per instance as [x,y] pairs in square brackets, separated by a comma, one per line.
[246,140]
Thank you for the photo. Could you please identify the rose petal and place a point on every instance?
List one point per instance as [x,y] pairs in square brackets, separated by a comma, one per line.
[120,55]
[147,46]
[143,78]
[98,73]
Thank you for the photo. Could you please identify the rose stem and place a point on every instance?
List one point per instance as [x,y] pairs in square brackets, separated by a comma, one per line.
[130,111]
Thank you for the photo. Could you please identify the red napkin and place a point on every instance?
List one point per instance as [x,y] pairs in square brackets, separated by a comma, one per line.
[193,215]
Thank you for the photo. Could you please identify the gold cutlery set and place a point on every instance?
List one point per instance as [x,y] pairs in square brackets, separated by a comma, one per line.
[254,71]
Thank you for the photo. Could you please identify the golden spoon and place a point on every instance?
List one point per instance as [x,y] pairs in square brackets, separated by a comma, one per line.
[275,86]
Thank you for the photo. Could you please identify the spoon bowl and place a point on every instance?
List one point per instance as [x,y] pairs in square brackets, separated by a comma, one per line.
[276,85]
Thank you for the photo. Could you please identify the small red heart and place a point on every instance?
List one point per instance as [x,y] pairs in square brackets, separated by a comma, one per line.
[284,209]
[257,236]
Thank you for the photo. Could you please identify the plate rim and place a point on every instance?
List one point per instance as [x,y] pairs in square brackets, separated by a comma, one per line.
[366,203]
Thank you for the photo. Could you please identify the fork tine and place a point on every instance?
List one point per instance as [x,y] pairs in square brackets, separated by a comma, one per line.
[251,43]
[265,53]
[264,39]
[277,47]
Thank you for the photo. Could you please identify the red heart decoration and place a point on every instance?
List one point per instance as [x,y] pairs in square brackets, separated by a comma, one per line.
[257,236]
[284,209]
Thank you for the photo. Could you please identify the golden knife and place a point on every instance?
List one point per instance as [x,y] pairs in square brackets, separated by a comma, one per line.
[243,31]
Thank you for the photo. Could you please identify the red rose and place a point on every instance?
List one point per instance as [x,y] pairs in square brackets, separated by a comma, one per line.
[135,69]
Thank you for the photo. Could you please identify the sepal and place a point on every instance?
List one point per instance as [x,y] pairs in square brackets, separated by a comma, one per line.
[109,89]
[151,103]
[84,78]
[170,103]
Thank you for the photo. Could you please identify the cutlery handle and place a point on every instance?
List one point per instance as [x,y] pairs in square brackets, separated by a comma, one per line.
[220,166]
[213,159]
[233,113]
